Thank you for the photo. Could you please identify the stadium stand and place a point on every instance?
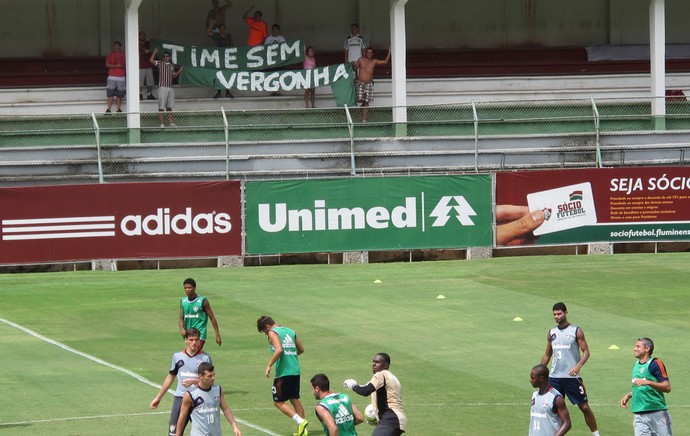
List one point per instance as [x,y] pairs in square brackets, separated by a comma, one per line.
[540,61]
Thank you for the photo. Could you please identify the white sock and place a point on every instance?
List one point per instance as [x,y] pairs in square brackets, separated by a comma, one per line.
[298,419]
[595,433]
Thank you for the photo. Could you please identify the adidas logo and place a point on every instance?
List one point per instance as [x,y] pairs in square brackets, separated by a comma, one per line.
[343,415]
[288,342]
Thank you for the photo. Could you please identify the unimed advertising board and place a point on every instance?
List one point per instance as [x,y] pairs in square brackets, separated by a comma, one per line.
[120,221]
[368,214]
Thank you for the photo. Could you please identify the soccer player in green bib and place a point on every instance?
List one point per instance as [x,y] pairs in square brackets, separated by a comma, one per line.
[284,346]
[337,413]
[649,384]
[195,311]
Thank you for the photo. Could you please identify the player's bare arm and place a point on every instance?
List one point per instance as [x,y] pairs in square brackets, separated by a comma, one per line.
[183,331]
[564,415]
[189,382]
[582,343]
[227,412]
[359,416]
[548,352]
[326,417]
[169,379]
[274,339]
[214,322]
[663,386]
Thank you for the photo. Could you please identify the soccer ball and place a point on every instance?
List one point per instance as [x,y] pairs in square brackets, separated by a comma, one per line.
[370,415]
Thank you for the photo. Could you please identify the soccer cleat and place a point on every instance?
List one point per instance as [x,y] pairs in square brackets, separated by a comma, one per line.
[302,428]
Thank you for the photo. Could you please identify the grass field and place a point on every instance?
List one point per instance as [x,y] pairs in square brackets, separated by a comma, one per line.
[463,361]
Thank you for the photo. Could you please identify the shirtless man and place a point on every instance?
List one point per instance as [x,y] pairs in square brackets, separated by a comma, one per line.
[216,16]
[365,78]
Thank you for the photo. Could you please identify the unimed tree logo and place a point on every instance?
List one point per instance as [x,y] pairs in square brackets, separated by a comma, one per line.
[452,205]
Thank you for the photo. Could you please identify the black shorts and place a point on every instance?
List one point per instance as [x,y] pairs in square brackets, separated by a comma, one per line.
[573,388]
[389,425]
[286,388]
[174,414]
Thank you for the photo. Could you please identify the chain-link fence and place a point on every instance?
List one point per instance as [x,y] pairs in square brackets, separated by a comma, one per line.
[269,144]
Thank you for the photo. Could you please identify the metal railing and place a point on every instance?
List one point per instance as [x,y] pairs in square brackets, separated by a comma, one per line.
[269,144]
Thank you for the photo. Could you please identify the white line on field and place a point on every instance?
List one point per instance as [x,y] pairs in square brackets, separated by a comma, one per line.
[80,418]
[77,418]
[109,365]
[672,406]
[157,386]
[81,353]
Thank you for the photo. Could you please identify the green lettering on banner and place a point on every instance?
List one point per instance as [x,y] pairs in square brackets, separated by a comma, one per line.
[368,214]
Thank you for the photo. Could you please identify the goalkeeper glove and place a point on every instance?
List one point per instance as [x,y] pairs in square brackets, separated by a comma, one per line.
[349,383]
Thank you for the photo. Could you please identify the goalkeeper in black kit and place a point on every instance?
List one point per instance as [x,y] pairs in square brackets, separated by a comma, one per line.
[386,397]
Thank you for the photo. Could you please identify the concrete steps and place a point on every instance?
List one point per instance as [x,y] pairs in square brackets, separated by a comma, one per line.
[80,100]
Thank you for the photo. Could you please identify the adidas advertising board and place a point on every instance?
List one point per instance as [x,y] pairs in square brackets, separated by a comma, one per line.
[368,214]
[120,221]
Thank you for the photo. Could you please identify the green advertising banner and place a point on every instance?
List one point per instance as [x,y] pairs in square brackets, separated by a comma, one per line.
[302,216]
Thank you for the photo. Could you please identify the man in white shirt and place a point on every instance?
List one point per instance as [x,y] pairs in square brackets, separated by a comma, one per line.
[275,37]
[354,45]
